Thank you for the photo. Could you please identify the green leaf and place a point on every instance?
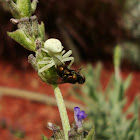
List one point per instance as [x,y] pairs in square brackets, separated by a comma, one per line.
[25,7]
[109,86]
[121,92]
[33,6]
[130,128]
[97,74]
[91,134]
[44,137]
[92,93]
[131,136]
[20,37]
[42,31]
[14,9]
[127,82]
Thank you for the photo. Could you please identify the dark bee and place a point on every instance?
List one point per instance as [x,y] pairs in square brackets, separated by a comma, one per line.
[70,76]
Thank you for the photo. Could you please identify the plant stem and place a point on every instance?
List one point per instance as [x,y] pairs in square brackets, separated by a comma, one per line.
[62,110]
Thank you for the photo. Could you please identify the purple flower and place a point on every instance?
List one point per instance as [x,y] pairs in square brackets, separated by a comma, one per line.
[79,116]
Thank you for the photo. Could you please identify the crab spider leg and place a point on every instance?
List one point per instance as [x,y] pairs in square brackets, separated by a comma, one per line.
[46,67]
[67,54]
[63,52]
[69,59]
[47,58]
[45,50]
[44,62]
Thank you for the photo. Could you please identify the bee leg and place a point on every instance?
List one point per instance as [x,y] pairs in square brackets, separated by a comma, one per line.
[69,59]
[46,60]
[45,67]
[67,54]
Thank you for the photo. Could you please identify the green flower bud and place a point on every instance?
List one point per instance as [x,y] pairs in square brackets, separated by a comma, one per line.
[117,56]
[22,8]
[14,9]
[25,7]
[35,29]
[25,25]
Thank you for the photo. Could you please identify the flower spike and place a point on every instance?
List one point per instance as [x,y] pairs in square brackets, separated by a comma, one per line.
[79,116]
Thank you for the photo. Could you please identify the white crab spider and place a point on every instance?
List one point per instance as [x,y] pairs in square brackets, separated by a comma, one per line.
[55,50]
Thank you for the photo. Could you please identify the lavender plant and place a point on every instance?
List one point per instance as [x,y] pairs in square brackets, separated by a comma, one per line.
[105,108]
[49,55]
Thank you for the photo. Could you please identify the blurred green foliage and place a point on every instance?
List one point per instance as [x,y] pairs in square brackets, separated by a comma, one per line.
[44,137]
[131,51]
[105,107]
